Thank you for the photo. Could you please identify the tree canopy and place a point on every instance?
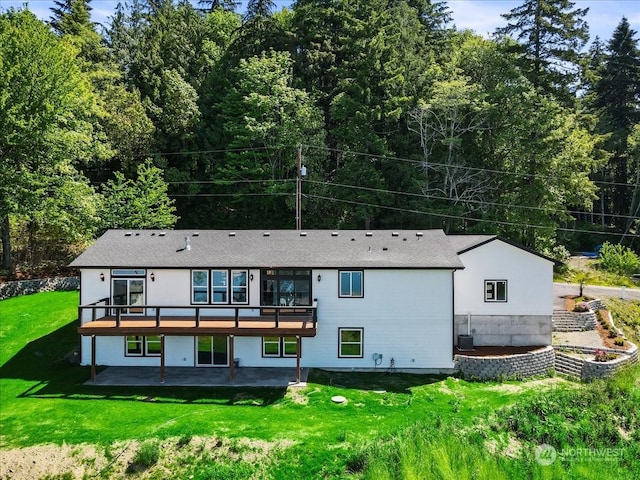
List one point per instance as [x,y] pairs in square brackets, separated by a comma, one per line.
[196,116]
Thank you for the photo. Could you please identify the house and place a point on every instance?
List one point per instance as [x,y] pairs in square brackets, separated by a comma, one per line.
[504,295]
[353,300]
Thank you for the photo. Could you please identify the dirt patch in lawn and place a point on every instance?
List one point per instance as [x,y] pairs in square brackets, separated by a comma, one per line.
[527,385]
[116,460]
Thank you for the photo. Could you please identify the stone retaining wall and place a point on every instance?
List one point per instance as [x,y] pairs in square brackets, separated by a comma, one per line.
[538,362]
[592,369]
[25,287]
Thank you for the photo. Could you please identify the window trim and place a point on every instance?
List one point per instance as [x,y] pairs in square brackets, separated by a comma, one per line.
[350,295]
[281,347]
[361,342]
[214,286]
[193,287]
[495,287]
[229,288]
[143,340]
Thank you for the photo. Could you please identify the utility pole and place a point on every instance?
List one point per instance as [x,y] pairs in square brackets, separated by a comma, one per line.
[302,172]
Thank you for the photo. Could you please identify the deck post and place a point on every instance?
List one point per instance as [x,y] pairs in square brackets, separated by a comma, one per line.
[197,317]
[162,358]
[232,363]
[277,317]
[298,344]
[157,316]
[93,358]
[237,319]
[118,313]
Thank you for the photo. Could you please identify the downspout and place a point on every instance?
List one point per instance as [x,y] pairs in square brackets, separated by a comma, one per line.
[453,314]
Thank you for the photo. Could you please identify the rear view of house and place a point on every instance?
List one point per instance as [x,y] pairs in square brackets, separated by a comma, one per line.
[330,299]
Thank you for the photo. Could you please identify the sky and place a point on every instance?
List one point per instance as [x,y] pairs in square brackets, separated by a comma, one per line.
[482,16]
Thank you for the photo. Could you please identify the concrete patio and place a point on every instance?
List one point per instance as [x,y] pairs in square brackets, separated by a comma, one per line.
[200,377]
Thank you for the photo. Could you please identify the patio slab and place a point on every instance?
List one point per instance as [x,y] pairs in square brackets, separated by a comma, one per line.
[200,377]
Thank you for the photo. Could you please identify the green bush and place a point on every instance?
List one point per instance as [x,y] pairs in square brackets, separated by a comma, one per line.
[148,455]
[619,259]
[619,341]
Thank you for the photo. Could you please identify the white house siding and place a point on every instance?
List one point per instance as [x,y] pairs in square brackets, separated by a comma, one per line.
[406,315]
[525,318]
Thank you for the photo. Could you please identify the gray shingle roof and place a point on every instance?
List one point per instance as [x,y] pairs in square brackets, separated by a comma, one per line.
[462,243]
[275,248]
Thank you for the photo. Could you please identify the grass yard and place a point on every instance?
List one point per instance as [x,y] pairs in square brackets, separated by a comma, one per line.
[231,432]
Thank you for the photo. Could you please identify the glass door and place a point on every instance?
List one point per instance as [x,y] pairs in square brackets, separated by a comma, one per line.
[128,291]
[211,351]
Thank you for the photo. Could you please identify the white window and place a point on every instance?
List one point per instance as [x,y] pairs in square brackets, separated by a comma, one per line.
[279,346]
[240,286]
[351,284]
[199,286]
[350,342]
[220,286]
[495,290]
[138,346]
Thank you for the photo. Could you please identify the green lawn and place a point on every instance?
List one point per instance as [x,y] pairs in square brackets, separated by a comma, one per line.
[43,399]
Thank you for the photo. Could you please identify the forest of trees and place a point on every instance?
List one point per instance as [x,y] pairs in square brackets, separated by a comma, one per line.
[194,117]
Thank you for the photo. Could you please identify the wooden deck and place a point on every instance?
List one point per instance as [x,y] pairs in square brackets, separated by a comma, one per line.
[174,325]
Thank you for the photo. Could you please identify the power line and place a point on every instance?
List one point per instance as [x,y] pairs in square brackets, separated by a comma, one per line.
[458,217]
[434,197]
[461,167]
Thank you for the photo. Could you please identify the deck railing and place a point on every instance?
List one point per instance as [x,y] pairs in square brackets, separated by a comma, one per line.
[101,309]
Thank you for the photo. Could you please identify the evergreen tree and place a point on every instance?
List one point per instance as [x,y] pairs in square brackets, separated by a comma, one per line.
[259,8]
[551,34]
[213,5]
[617,98]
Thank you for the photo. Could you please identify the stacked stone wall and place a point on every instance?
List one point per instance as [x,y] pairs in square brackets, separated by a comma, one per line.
[25,287]
[538,362]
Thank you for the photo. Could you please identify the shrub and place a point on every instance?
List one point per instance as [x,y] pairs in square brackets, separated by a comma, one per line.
[602,356]
[619,341]
[612,334]
[619,259]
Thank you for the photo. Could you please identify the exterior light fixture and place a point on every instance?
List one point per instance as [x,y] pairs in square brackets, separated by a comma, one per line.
[319,277]
[251,277]
[153,277]
[102,276]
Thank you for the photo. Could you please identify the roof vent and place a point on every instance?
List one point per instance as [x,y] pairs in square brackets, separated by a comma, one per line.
[162,234]
[187,243]
[303,234]
[127,234]
[353,239]
[153,234]
[266,234]
[334,234]
[137,234]
[394,234]
[419,234]
[232,234]
[196,234]
[384,249]
[369,234]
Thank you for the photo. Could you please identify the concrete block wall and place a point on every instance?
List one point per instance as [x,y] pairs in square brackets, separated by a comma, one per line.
[592,369]
[507,330]
[525,365]
[25,287]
